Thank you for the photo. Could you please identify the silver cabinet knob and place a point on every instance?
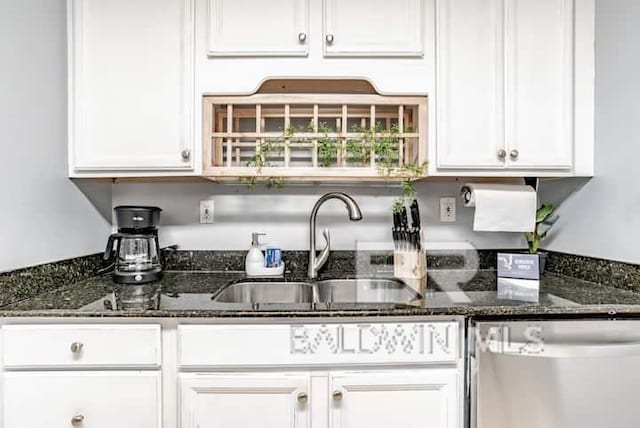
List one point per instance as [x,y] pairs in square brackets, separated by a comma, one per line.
[77,420]
[514,154]
[337,395]
[76,347]
[186,154]
[303,397]
[302,37]
[502,153]
[329,38]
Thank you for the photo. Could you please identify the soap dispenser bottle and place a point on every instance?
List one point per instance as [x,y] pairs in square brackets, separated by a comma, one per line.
[254,263]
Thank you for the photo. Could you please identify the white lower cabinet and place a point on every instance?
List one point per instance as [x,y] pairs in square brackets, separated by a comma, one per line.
[308,375]
[82,399]
[315,375]
[247,400]
[422,398]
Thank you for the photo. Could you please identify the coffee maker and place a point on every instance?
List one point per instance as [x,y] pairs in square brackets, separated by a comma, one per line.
[134,252]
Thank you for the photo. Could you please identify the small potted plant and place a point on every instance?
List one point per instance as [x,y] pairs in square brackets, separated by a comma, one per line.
[544,222]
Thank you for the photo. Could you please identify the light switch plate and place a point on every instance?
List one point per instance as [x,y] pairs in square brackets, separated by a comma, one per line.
[447,210]
[206,211]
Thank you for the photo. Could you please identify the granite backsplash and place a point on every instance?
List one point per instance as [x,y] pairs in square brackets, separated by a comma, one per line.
[340,262]
[28,282]
[600,271]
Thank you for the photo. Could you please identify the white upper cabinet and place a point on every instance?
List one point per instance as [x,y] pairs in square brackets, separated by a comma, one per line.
[539,83]
[509,83]
[373,27]
[258,28]
[470,91]
[130,86]
[514,80]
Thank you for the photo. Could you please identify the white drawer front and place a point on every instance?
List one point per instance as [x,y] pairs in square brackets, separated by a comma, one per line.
[317,344]
[81,346]
[83,399]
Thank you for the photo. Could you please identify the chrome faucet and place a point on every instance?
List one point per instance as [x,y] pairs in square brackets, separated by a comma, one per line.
[315,261]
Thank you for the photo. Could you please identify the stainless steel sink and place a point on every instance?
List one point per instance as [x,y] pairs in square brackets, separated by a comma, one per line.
[332,291]
[266,292]
[365,291]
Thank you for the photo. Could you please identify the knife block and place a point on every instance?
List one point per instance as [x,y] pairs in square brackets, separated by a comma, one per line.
[410,266]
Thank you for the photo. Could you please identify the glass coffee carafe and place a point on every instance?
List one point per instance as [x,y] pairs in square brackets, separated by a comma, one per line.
[137,253]
[134,252]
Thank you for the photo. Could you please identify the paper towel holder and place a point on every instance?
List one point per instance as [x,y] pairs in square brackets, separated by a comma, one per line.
[533,182]
[465,191]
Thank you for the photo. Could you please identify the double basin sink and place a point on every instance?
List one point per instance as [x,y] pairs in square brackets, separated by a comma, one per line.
[331,291]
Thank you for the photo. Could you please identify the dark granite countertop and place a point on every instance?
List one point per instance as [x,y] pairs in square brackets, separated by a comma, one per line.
[449,293]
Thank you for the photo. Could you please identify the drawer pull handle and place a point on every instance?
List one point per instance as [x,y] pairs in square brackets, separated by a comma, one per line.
[337,395]
[77,420]
[303,397]
[76,347]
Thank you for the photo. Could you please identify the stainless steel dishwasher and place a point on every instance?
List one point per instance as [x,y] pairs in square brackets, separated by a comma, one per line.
[554,374]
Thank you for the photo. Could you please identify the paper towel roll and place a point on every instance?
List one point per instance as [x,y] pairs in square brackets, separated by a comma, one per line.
[502,207]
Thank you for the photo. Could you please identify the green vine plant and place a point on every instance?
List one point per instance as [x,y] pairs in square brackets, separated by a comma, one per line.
[384,143]
[270,148]
[290,132]
[358,149]
[260,159]
[327,147]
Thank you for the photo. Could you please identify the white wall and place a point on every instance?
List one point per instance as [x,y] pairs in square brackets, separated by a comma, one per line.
[599,218]
[46,217]
[43,215]
[602,218]
[284,215]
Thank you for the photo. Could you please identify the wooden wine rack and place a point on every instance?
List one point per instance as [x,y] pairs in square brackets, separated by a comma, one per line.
[323,137]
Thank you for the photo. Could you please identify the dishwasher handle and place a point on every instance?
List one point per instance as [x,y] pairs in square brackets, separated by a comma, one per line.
[563,350]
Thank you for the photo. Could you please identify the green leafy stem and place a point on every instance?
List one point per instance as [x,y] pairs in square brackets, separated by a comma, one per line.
[383,143]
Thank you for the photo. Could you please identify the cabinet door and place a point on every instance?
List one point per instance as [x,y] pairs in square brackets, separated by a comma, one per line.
[258,28]
[374,28]
[400,399]
[131,79]
[469,106]
[274,400]
[96,400]
[539,83]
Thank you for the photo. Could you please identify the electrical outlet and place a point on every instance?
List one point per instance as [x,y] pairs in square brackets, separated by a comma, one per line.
[448,210]
[206,212]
